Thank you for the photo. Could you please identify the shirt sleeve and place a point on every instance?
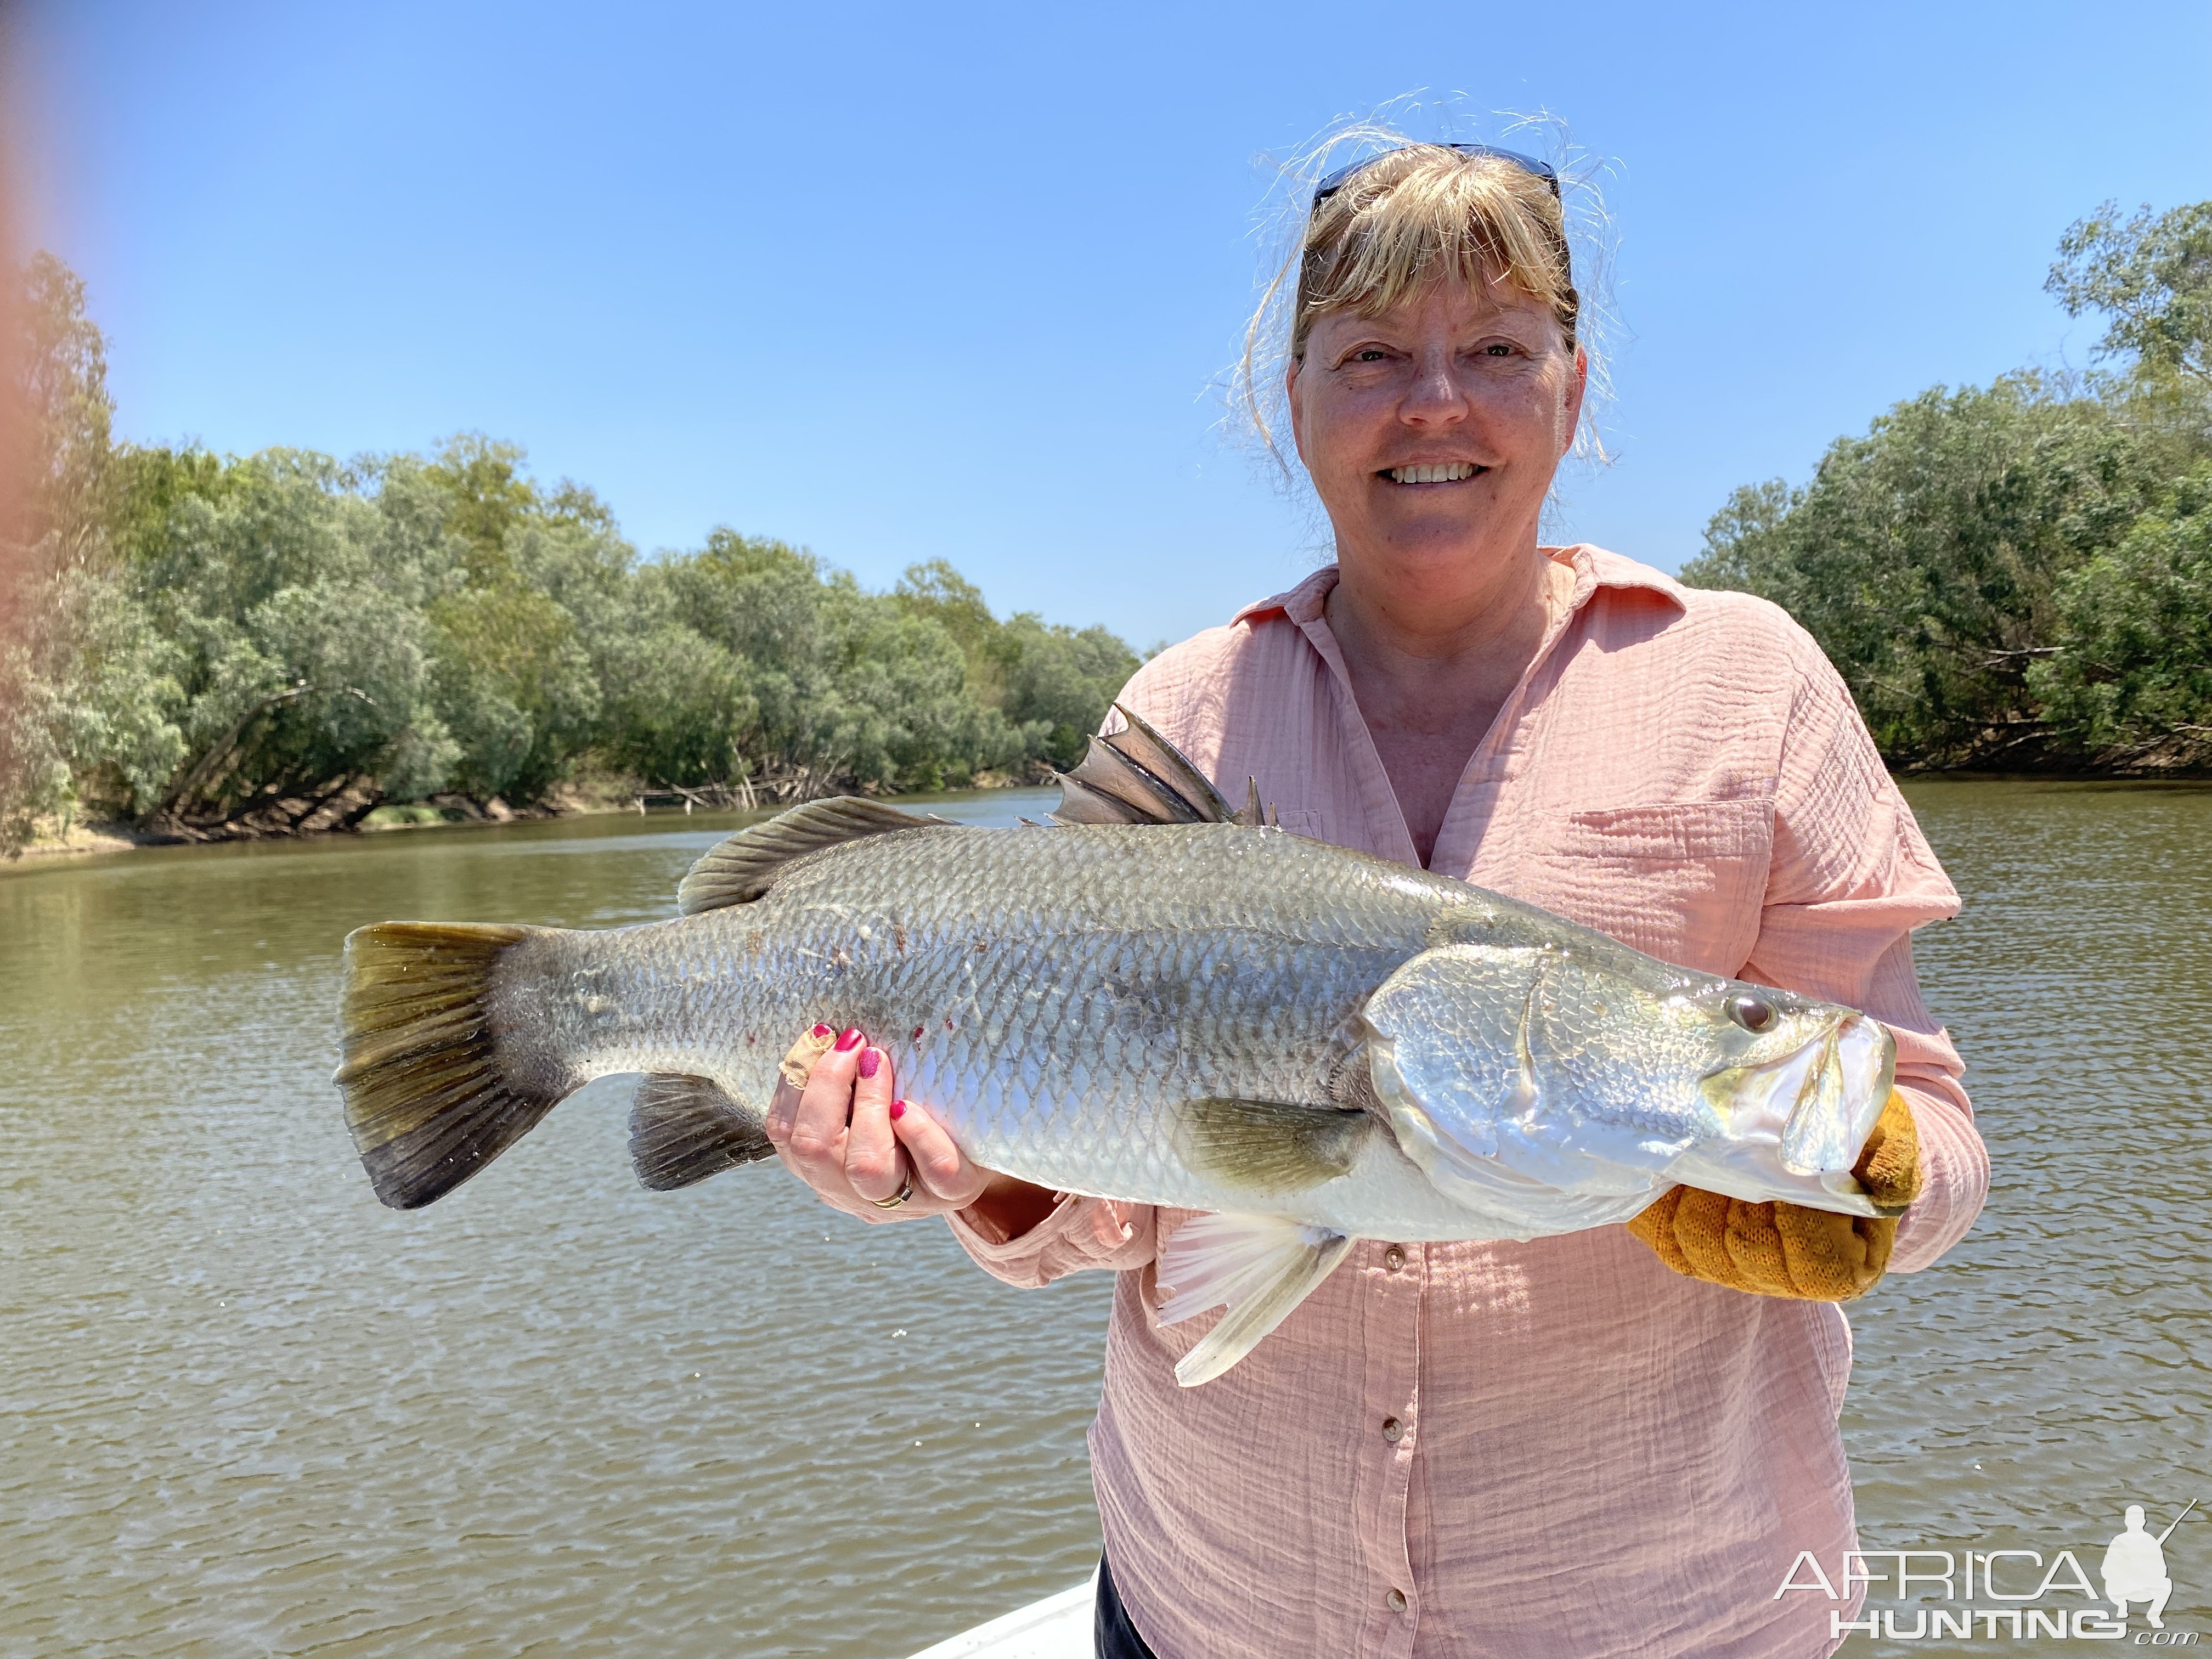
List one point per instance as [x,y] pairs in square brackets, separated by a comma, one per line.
[1079,1233]
[1852,877]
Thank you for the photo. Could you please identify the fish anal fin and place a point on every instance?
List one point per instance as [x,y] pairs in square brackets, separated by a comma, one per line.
[684,1129]
[744,867]
[1266,1147]
[1261,1266]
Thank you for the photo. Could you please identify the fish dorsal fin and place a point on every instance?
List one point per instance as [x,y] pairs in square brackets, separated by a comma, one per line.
[1137,776]
[747,865]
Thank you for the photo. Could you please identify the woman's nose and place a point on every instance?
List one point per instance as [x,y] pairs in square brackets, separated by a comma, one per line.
[1435,397]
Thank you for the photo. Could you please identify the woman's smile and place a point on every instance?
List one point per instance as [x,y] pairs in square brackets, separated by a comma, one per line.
[1433,473]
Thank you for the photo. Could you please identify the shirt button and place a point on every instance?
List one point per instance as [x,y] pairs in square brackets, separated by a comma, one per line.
[1394,1257]
[1396,1601]
[1393,1431]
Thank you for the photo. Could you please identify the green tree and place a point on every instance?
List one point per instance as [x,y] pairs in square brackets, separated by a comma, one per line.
[204,640]
[1926,557]
[2151,276]
[1061,684]
[71,648]
[2133,676]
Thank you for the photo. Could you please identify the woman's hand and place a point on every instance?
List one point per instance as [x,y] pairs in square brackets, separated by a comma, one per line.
[847,1135]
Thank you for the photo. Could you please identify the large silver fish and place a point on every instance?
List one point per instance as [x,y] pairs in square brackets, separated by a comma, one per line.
[1158,1000]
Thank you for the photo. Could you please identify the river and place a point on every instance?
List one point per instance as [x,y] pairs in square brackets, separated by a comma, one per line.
[244,1410]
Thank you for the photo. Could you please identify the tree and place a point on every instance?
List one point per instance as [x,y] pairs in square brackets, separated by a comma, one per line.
[1061,684]
[56,424]
[216,642]
[2151,275]
[2133,678]
[1926,556]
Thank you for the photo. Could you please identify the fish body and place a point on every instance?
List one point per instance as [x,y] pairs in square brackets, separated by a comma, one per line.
[1312,1044]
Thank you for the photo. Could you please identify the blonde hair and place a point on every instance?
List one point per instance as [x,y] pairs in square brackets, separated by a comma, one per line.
[1412,214]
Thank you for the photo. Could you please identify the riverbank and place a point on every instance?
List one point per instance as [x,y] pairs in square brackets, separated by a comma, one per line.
[54,840]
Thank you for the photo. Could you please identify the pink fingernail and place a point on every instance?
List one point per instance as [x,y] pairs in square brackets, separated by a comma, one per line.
[850,1040]
[870,1059]
[899,1109]
[819,1031]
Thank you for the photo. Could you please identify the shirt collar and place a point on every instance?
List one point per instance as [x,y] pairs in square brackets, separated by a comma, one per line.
[1594,567]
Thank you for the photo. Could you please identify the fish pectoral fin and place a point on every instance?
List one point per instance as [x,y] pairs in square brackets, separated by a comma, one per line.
[1261,1265]
[1269,1147]
[684,1129]
[744,867]
[1135,775]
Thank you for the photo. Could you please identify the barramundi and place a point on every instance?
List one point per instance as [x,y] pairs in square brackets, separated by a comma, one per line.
[1155,999]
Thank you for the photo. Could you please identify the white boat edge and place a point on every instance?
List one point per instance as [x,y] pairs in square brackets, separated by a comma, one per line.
[1058,1627]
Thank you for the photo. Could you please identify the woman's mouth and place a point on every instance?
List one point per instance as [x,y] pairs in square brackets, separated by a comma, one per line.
[1434,472]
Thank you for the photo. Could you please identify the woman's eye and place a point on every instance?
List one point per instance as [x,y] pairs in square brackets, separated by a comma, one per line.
[1497,349]
[1369,354]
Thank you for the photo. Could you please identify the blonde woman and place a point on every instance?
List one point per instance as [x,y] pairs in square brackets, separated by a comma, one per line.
[1611,1442]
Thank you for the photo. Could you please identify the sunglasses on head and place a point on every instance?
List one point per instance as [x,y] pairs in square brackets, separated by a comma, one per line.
[1342,176]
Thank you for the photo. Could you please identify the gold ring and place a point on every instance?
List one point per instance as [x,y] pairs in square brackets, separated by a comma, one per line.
[905,1192]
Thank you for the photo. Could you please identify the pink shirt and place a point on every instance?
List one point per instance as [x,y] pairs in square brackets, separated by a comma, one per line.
[1514,1451]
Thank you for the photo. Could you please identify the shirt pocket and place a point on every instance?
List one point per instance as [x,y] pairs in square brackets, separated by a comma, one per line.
[1683,880]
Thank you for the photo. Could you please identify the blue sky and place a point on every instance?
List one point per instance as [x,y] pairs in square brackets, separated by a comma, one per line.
[901,282]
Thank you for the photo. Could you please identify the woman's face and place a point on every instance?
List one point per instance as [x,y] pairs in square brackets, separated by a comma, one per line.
[1432,431]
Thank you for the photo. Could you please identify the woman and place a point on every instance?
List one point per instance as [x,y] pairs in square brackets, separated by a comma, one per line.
[1598,1443]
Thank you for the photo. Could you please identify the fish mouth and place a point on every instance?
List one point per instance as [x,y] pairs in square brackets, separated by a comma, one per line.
[1795,1125]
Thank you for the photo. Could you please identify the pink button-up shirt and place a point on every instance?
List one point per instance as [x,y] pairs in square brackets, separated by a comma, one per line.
[1514,1451]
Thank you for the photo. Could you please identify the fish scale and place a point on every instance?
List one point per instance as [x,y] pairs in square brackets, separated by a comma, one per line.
[1067,1011]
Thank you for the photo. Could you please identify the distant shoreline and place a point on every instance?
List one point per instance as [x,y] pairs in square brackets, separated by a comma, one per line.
[101,838]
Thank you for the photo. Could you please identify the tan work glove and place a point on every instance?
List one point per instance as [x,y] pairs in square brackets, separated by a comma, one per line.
[1773,1248]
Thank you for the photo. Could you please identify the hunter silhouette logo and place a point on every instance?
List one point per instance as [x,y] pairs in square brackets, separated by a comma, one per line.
[2135,1566]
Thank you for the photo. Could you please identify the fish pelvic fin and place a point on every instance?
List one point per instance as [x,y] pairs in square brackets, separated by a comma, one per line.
[684,1129]
[1135,775]
[427,1096]
[1261,1265]
[748,864]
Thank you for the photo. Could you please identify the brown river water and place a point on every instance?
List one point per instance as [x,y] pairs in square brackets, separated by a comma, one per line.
[244,1411]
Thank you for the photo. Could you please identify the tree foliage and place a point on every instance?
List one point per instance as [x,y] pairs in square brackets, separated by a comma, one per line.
[2151,277]
[207,638]
[2006,575]
[2135,677]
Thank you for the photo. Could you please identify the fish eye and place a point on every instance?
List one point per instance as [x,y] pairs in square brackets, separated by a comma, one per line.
[1753,1013]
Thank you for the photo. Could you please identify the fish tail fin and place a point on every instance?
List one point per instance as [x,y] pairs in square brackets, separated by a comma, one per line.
[427,1096]
[684,1129]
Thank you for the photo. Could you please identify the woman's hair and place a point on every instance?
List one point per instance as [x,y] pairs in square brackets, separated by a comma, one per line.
[1411,214]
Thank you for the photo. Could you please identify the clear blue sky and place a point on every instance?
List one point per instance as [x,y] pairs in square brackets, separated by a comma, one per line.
[898,283]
